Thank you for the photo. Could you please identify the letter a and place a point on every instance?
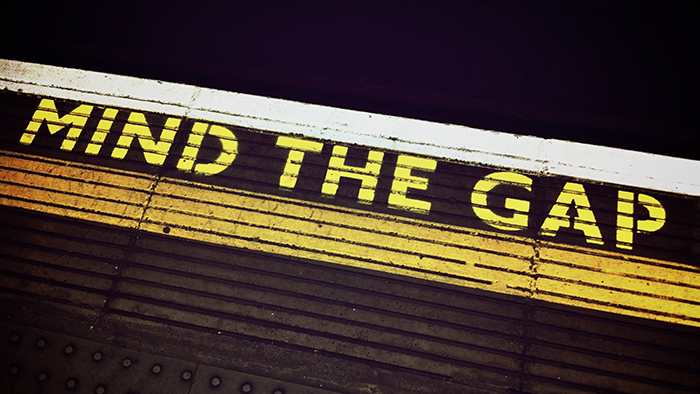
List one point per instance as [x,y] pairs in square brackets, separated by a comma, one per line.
[584,220]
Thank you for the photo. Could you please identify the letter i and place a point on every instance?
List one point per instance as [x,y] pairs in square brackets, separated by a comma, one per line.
[100,134]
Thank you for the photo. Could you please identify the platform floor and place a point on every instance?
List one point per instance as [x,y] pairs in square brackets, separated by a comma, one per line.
[93,308]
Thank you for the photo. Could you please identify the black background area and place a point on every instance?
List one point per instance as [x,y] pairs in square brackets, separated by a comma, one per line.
[619,73]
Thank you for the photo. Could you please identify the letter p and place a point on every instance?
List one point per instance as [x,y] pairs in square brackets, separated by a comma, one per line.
[626,222]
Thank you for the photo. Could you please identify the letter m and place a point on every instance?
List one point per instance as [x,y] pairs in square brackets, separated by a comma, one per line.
[47,112]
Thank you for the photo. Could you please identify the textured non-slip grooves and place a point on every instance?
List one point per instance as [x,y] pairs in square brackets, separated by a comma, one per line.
[427,286]
[651,365]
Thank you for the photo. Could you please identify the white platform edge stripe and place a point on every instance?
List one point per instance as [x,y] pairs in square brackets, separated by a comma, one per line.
[532,154]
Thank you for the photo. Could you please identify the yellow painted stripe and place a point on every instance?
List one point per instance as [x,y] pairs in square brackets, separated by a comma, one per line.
[619,283]
[346,236]
[579,276]
[74,190]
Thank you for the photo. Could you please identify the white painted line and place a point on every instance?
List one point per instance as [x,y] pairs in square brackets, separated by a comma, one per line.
[466,144]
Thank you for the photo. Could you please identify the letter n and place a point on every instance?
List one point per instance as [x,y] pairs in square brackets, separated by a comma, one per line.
[154,151]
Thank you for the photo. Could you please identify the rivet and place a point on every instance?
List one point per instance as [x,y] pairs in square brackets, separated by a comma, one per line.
[278,392]
[69,349]
[166,230]
[14,337]
[71,383]
[186,375]
[100,389]
[97,356]
[40,343]
[156,369]
[42,377]
[246,388]
[126,363]
[14,370]
[215,381]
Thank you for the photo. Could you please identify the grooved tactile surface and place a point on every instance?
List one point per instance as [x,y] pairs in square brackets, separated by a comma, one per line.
[310,322]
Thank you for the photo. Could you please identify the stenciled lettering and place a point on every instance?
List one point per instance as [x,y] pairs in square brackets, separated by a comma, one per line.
[572,207]
[404,180]
[625,217]
[229,149]
[297,148]
[369,174]
[521,208]
[46,112]
[584,221]
[154,151]
[98,137]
